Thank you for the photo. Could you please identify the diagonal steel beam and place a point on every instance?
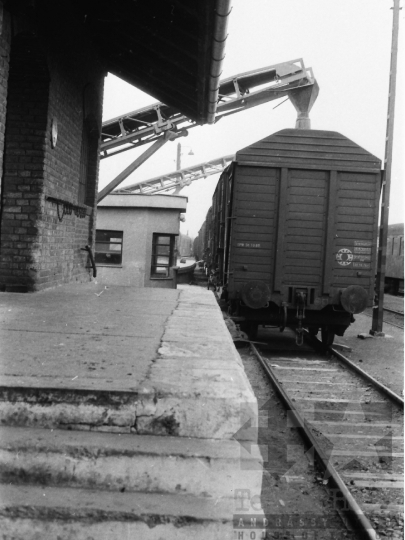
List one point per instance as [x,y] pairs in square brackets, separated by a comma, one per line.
[168,136]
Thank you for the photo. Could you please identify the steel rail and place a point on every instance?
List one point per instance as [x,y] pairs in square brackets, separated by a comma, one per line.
[396,325]
[377,384]
[354,511]
[394,311]
[381,387]
[385,322]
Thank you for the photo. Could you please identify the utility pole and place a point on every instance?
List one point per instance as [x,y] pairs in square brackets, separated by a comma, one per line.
[377,323]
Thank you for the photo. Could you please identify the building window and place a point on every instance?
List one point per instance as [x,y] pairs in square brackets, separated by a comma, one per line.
[109,247]
[162,255]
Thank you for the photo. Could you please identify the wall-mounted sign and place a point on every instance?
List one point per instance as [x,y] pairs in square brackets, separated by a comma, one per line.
[54,132]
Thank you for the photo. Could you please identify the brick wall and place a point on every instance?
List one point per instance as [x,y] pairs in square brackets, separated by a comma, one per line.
[5,38]
[50,76]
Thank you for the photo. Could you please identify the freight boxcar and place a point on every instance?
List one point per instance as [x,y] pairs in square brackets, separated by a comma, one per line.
[394,274]
[295,224]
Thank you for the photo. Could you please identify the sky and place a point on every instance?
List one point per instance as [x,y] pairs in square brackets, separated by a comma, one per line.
[348,45]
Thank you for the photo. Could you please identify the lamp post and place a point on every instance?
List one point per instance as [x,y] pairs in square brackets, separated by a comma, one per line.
[178,188]
[179,153]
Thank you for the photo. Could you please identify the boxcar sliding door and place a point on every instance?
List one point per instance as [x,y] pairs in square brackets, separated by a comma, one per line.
[301,229]
[253,225]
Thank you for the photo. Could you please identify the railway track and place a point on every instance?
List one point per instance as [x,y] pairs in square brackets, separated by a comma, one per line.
[355,427]
[396,312]
[391,316]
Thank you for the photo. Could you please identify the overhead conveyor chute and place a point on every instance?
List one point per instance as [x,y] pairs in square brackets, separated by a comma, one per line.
[236,94]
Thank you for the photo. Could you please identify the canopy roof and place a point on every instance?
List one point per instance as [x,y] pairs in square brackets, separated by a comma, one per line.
[170,49]
[164,47]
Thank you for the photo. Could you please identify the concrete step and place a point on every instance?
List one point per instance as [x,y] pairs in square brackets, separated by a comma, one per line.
[188,394]
[62,403]
[30,512]
[199,467]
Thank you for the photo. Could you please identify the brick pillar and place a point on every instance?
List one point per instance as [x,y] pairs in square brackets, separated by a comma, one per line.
[5,38]
[26,128]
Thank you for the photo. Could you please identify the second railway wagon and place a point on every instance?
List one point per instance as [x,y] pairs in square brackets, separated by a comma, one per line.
[394,274]
[294,231]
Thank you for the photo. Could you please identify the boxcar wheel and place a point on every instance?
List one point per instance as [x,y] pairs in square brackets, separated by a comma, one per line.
[327,336]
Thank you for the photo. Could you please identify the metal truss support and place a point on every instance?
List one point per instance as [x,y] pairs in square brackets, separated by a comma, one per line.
[152,124]
[168,136]
[236,94]
[177,180]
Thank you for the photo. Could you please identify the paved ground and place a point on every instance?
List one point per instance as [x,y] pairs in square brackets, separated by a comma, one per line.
[85,333]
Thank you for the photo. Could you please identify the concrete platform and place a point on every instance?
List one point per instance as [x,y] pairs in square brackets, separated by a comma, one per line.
[146,361]
[118,410]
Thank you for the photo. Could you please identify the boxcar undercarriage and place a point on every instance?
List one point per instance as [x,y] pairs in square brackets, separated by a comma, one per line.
[330,321]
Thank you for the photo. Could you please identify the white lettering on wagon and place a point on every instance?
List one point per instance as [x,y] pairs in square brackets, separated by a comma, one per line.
[344,257]
[362,258]
[248,245]
[362,250]
[362,243]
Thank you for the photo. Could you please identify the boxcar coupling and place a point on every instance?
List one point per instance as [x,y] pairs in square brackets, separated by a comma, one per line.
[293,232]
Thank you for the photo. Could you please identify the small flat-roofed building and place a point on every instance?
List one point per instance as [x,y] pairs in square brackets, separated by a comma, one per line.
[135,239]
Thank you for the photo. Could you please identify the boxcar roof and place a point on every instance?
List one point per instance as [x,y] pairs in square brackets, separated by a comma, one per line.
[309,149]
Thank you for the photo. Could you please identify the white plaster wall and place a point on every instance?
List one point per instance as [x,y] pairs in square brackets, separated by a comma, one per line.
[138,226]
